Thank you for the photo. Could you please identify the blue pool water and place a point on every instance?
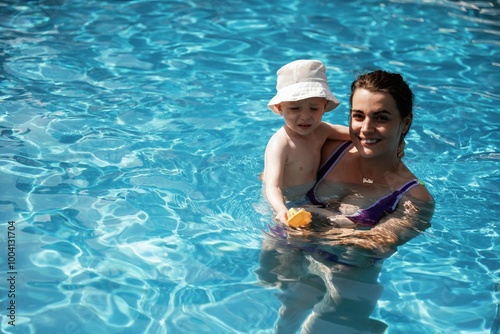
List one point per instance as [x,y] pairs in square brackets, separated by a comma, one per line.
[132,136]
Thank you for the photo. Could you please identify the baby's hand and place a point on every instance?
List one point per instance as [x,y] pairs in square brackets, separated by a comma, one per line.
[282,217]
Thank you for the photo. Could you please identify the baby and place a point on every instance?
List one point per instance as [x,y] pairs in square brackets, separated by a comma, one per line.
[293,153]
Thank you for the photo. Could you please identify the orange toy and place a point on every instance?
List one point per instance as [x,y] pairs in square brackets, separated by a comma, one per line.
[298,218]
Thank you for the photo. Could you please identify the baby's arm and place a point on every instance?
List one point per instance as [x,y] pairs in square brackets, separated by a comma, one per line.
[274,165]
[336,132]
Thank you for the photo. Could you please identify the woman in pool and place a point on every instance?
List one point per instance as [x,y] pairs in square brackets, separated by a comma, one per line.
[366,203]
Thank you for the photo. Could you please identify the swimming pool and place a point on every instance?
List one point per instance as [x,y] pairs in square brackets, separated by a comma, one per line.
[132,135]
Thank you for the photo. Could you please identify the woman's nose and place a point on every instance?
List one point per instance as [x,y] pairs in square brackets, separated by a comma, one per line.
[367,125]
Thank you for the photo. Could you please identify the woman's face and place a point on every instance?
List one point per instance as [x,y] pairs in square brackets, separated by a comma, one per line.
[376,126]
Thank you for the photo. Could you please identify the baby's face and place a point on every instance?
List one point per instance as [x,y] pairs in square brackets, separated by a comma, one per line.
[303,116]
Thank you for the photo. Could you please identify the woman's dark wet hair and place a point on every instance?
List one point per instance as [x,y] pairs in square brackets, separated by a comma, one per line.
[391,83]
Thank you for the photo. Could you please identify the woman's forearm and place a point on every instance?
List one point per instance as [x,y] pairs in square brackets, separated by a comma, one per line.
[381,240]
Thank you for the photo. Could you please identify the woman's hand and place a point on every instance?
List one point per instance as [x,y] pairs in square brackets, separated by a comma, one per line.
[379,243]
[362,243]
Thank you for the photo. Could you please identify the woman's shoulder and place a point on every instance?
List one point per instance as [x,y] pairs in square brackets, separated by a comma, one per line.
[421,193]
[420,201]
[331,149]
[331,145]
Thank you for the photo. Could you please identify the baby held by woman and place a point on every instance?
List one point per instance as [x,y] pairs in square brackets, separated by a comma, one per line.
[293,153]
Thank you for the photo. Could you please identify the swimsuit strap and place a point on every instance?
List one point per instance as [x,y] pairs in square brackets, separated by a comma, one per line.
[372,215]
[327,166]
[332,160]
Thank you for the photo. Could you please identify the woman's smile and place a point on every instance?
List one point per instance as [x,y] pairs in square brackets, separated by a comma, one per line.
[369,141]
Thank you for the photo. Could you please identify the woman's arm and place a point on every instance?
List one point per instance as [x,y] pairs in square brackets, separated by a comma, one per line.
[412,218]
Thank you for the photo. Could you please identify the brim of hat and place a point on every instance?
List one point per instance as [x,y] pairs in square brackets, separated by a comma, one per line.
[303,90]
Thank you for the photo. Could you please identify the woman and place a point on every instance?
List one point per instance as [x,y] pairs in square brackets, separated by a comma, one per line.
[366,204]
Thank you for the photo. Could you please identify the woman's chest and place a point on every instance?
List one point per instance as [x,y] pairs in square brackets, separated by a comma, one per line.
[349,197]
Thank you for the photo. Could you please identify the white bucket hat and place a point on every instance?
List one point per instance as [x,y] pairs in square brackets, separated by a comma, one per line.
[302,79]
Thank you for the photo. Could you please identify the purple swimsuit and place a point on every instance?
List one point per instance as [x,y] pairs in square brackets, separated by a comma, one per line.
[371,215]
